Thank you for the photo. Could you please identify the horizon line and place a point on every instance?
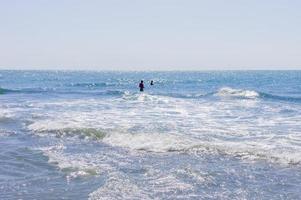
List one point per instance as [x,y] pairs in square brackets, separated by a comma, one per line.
[297,68]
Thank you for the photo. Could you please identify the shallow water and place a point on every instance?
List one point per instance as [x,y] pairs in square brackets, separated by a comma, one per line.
[193,135]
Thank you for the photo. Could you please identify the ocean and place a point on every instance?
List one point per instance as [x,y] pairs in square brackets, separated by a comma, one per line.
[192,135]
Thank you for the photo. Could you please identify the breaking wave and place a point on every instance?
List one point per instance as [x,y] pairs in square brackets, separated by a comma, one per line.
[160,143]
[251,94]
[85,133]
[230,92]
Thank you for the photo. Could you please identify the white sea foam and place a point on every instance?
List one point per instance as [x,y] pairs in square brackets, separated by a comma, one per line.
[119,186]
[144,97]
[112,165]
[75,164]
[150,141]
[163,124]
[6,114]
[230,92]
[271,149]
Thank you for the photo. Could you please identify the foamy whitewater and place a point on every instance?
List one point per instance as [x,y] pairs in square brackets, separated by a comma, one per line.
[192,135]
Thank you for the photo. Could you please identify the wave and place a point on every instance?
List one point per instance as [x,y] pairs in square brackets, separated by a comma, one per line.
[281,98]
[85,133]
[187,96]
[252,94]
[90,85]
[5,91]
[75,165]
[223,92]
[60,91]
[26,90]
[160,143]
[114,92]
[168,142]
[230,92]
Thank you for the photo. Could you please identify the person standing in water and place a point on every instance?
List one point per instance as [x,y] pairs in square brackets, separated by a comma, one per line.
[152,82]
[141,86]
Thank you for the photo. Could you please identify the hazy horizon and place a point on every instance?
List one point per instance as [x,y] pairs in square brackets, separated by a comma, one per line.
[146,70]
[150,35]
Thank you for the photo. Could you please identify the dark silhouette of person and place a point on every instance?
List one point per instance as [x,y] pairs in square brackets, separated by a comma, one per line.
[152,82]
[141,86]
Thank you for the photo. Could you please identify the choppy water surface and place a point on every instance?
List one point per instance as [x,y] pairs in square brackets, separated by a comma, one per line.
[193,135]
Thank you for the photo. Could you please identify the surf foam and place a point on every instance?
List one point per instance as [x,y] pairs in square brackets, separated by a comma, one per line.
[230,92]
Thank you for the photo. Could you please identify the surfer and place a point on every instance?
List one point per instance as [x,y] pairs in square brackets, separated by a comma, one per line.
[141,86]
[152,82]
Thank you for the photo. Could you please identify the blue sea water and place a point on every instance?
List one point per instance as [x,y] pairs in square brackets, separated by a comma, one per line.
[193,135]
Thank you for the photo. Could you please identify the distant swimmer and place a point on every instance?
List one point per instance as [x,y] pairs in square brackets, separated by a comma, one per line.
[152,82]
[141,86]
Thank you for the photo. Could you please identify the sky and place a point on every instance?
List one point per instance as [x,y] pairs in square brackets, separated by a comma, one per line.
[150,34]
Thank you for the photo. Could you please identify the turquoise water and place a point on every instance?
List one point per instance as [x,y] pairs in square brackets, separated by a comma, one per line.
[193,135]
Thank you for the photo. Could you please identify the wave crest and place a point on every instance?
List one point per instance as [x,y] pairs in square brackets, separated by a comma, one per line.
[168,142]
[160,143]
[230,92]
[86,133]
[5,91]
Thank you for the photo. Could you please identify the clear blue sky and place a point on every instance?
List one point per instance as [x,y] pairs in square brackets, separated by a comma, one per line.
[150,34]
